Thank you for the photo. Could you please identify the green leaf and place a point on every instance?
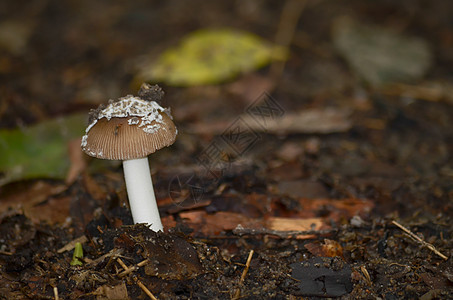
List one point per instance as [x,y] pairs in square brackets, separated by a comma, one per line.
[211,56]
[40,150]
[78,254]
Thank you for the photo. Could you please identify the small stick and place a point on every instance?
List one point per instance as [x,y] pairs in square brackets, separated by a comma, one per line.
[244,273]
[145,289]
[133,268]
[239,230]
[112,254]
[69,246]
[123,265]
[55,293]
[142,263]
[247,266]
[417,238]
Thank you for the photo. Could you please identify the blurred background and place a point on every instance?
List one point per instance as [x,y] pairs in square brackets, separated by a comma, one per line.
[61,57]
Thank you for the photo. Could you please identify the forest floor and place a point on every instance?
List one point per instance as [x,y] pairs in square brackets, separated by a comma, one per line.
[310,179]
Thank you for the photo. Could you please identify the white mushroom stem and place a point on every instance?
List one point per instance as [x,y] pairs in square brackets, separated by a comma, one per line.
[140,192]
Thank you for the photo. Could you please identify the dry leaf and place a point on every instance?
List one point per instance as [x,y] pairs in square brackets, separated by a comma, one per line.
[117,292]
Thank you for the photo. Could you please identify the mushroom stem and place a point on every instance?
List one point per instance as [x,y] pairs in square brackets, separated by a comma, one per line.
[140,191]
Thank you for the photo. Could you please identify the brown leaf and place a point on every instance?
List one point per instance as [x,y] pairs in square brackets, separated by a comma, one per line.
[117,292]
[36,201]
[54,210]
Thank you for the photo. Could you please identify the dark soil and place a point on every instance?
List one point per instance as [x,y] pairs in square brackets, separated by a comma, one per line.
[391,165]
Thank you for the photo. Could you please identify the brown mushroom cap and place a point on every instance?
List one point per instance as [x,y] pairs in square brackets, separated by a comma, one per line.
[129,128]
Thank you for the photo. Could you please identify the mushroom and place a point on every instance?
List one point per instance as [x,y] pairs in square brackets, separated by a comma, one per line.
[130,129]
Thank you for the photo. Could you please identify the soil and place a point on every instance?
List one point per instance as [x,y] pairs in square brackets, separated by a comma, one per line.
[357,207]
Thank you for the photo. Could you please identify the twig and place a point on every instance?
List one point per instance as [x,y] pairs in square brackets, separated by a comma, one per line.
[112,254]
[133,268]
[128,270]
[144,288]
[244,273]
[418,239]
[123,265]
[69,246]
[55,293]
[239,230]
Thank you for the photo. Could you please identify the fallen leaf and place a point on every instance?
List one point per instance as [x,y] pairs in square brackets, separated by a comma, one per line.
[115,292]
[37,202]
[53,210]
[210,56]
[39,151]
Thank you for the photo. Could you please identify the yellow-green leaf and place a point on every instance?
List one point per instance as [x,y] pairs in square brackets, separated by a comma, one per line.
[211,56]
[78,254]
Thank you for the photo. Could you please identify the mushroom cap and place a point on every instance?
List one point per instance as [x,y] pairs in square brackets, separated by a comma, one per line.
[129,128]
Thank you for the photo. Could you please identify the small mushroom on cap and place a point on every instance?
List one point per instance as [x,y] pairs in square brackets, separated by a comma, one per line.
[130,129]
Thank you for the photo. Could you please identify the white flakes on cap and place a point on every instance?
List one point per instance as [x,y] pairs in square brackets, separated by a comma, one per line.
[131,106]
[128,128]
